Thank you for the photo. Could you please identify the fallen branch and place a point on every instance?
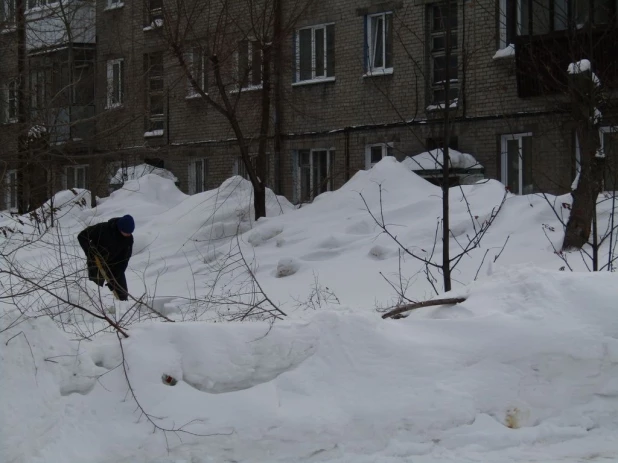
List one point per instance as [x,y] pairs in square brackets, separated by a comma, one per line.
[418,305]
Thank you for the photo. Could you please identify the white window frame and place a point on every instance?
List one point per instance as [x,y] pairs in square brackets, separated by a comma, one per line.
[110,83]
[8,17]
[201,77]
[385,149]
[10,183]
[6,102]
[502,12]
[249,85]
[504,159]
[370,47]
[76,168]
[38,5]
[329,174]
[194,164]
[314,77]
[578,154]
[603,130]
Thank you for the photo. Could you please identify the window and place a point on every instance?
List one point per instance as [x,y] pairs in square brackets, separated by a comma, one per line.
[198,173]
[516,159]
[609,148]
[154,17]
[75,177]
[7,12]
[40,82]
[315,53]
[40,3]
[249,64]
[608,137]
[379,43]
[441,21]
[435,143]
[10,197]
[315,169]
[9,102]
[507,22]
[196,62]
[241,169]
[115,83]
[537,17]
[155,117]
[111,4]
[375,153]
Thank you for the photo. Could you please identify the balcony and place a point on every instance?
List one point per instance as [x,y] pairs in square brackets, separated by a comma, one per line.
[542,60]
[50,25]
[73,123]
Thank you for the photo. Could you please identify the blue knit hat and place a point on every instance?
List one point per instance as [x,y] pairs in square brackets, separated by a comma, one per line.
[126,224]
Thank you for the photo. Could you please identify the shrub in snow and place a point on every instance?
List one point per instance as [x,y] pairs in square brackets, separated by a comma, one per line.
[379,252]
[286,267]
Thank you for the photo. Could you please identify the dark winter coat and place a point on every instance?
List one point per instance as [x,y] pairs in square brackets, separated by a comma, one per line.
[106,241]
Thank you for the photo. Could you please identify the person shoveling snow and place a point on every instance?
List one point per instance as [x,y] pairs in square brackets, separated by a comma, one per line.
[108,247]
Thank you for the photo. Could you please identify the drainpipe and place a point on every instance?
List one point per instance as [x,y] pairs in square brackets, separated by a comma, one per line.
[22,110]
[346,133]
[277,68]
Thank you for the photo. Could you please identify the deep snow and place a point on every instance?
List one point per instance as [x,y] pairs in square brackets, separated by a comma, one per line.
[524,370]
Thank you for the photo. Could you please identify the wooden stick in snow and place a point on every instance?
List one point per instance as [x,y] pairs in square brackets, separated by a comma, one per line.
[418,305]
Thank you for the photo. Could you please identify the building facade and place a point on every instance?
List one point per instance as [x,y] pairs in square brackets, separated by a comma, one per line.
[109,83]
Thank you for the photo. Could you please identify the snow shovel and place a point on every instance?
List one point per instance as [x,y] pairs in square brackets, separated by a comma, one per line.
[100,265]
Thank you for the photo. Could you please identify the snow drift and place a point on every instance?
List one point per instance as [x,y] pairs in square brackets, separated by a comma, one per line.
[524,370]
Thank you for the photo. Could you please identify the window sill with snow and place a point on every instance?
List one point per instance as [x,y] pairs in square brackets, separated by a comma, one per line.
[249,88]
[505,53]
[379,72]
[114,6]
[323,80]
[153,133]
[193,96]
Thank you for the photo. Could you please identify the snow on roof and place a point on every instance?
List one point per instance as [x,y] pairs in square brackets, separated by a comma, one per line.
[432,160]
[125,174]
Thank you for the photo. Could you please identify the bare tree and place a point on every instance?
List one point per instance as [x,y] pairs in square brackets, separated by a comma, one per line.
[241,42]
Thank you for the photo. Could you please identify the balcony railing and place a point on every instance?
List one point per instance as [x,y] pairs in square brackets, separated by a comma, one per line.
[75,123]
[542,61]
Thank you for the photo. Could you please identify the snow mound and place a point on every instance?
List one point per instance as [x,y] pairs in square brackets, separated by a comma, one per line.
[434,160]
[216,358]
[125,174]
[525,369]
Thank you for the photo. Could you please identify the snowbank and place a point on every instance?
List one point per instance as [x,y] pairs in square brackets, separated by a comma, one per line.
[524,370]
[518,372]
[128,173]
[434,159]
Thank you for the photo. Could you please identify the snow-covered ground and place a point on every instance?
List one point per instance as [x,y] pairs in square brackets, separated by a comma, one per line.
[525,370]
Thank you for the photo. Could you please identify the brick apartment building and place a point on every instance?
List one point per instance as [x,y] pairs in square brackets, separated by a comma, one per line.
[102,86]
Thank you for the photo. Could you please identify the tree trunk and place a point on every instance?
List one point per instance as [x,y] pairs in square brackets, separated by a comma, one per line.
[446,255]
[259,189]
[22,110]
[584,96]
[259,205]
